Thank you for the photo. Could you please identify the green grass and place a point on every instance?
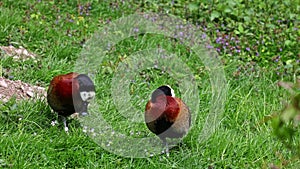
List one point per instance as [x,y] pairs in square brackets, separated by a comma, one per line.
[242,140]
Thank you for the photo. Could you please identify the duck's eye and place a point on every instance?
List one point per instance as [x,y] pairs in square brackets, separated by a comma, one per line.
[83,95]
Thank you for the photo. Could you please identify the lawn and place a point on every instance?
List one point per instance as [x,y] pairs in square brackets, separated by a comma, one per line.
[231,90]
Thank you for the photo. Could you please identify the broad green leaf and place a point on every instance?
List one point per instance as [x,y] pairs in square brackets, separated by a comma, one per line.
[293,16]
[288,42]
[227,10]
[241,28]
[193,6]
[214,14]
[290,61]
[247,19]
[269,25]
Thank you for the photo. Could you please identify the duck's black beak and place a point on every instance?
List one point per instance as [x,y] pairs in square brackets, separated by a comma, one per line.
[84,110]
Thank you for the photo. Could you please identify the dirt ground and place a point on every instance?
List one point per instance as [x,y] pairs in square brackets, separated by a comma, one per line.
[18,89]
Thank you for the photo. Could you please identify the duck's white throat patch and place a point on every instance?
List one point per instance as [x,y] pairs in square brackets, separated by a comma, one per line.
[86,96]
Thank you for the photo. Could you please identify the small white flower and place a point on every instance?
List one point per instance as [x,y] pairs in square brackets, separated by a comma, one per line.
[53,123]
[85,129]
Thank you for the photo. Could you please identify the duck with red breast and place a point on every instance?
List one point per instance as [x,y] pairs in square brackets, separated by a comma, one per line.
[166,115]
[70,93]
